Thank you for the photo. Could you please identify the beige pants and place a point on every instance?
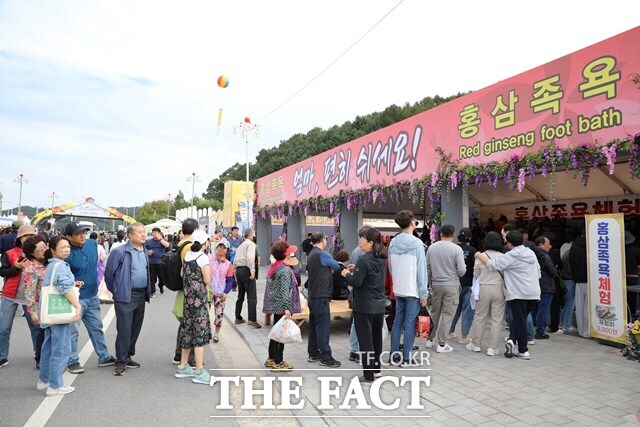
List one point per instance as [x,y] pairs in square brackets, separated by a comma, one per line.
[444,301]
[491,298]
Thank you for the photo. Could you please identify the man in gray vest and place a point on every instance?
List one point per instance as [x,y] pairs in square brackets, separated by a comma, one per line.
[319,265]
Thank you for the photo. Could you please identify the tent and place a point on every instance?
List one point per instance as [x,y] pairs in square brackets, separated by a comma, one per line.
[86,209]
[166,225]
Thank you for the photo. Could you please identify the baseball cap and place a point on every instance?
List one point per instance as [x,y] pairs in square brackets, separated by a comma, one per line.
[16,224]
[73,228]
[224,243]
[200,237]
[465,232]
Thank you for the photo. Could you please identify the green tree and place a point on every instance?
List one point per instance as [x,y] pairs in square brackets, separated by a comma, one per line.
[151,212]
[299,147]
[216,205]
[179,202]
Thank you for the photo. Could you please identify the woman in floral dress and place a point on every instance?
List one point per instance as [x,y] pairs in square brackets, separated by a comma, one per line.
[195,329]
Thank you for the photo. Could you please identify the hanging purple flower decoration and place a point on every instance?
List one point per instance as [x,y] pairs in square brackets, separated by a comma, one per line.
[454,179]
[433,233]
[610,155]
[478,179]
[532,170]
[559,154]
[434,179]
[574,159]
[521,177]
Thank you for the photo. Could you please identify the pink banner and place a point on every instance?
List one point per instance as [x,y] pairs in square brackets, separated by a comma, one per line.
[592,95]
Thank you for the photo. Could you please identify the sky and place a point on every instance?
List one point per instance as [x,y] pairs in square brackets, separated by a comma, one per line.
[117,100]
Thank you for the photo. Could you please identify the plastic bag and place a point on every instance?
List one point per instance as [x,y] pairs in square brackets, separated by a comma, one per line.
[423,324]
[285,331]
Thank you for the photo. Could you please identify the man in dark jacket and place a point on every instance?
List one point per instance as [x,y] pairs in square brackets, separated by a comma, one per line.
[319,265]
[464,304]
[578,262]
[548,272]
[306,245]
[127,277]
[8,241]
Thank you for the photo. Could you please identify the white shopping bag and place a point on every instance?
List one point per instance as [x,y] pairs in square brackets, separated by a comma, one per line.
[55,308]
[285,331]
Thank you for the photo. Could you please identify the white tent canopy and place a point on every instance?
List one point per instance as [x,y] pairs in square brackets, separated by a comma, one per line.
[166,225]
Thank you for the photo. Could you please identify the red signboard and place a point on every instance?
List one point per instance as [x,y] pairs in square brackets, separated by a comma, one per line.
[587,96]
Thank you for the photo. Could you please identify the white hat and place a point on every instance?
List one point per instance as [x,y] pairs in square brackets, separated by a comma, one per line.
[200,237]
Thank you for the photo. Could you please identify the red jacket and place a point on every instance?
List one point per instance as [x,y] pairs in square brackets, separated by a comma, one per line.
[11,277]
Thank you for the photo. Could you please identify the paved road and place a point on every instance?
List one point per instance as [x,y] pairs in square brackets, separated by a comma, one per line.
[149,395]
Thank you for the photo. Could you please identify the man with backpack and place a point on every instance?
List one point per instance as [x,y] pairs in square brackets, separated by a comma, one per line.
[174,280]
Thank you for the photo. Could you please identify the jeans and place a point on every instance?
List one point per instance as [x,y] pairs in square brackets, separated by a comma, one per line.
[319,327]
[464,309]
[93,322]
[542,320]
[55,353]
[353,338]
[407,309]
[7,314]
[246,286]
[566,317]
[129,317]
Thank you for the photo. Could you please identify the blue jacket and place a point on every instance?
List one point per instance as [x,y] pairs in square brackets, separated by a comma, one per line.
[83,261]
[117,274]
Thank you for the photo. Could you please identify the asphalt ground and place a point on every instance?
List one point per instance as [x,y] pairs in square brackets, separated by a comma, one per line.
[146,396]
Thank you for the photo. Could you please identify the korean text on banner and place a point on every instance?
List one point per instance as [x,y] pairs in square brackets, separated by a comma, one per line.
[607,280]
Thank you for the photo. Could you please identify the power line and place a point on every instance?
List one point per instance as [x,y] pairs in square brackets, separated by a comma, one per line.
[332,63]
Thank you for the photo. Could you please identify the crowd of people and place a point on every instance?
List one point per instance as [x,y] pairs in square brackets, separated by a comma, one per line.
[490,277]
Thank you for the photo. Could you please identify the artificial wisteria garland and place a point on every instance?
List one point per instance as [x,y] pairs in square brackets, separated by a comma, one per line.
[449,174]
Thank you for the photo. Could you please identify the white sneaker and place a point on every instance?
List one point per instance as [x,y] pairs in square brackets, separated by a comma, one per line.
[444,348]
[428,343]
[492,352]
[523,356]
[570,329]
[532,342]
[42,386]
[451,336]
[216,337]
[559,332]
[472,347]
[65,389]
[466,340]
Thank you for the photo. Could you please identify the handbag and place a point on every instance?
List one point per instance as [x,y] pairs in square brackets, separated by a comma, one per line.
[54,306]
[423,323]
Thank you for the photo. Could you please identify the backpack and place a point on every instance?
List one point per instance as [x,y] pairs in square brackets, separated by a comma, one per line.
[172,267]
